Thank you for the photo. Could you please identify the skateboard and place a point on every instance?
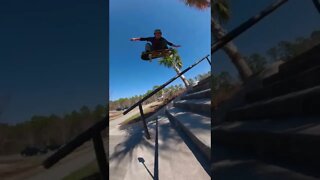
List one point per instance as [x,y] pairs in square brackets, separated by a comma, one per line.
[155,54]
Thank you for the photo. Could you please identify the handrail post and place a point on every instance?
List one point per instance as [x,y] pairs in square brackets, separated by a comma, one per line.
[100,155]
[208,60]
[144,122]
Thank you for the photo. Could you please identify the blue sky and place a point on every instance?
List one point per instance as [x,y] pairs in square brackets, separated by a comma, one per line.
[294,19]
[52,57]
[180,24]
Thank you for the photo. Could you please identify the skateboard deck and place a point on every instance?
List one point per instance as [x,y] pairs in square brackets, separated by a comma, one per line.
[156,54]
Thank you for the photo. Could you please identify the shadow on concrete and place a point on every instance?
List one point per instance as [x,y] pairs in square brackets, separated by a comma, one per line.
[135,138]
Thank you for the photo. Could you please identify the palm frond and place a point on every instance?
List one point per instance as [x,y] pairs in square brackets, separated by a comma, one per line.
[199,4]
[173,60]
[220,10]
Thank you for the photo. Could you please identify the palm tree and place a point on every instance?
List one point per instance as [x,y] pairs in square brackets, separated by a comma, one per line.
[220,13]
[174,61]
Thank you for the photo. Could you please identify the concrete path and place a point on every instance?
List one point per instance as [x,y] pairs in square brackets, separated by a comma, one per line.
[127,146]
[176,161]
[132,156]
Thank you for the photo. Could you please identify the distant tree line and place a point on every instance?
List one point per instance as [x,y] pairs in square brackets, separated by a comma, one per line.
[41,131]
[283,51]
[224,85]
[168,92]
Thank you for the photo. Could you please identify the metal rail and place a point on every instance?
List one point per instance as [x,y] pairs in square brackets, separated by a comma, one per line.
[245,26]
[139,103]
[91,133]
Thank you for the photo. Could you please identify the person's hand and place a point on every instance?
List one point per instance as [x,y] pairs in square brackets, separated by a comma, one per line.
[134,39]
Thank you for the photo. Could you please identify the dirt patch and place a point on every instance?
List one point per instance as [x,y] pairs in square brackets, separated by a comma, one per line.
[114,114]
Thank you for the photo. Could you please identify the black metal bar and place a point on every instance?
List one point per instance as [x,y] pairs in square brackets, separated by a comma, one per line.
[163,85]
[245,26]
[156,155]
[74,143]
[317,4]
[101,156]
[146,131]
[208,60]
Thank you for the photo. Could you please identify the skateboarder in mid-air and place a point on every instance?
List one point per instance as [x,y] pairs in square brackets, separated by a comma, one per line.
[157,43]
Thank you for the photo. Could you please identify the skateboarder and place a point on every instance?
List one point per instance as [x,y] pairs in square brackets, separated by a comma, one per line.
[156,43]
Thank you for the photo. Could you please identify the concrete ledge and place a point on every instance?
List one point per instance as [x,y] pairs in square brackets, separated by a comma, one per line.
[304,103]
[196,126]
[294,141]
[306,79]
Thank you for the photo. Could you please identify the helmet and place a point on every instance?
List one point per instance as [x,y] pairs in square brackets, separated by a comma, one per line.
[157,31]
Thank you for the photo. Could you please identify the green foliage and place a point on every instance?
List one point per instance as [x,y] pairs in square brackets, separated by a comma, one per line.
[174,60]
[48,130]
[166,92]
[286,50]
[222,81]
[256,62]
[220,10]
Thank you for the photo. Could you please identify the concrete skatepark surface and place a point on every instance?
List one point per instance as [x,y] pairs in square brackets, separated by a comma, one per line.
[128,147]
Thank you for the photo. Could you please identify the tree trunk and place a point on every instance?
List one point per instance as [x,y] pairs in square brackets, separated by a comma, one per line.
[183,78]
[231,50]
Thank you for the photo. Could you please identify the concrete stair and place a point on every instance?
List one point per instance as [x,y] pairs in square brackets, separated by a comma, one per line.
[198,95]
[202,85]
[279,124]
[191,114]
[232,164]
[289,84]
[302,103]
[200,106]
[292,140]
[196,126]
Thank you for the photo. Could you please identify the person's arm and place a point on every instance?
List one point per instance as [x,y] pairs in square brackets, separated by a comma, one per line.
[171,44]
[140,39]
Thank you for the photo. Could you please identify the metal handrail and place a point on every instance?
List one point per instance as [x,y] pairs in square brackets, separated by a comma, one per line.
[92,132]
[245,26]
[165,84]
[139,103]
[250,22]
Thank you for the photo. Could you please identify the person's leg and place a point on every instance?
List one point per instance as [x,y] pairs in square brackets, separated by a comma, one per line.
[148,47]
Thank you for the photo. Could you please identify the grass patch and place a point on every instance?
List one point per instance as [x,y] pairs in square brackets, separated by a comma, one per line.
[90,171]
